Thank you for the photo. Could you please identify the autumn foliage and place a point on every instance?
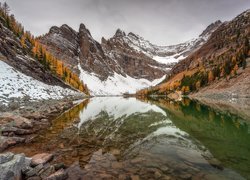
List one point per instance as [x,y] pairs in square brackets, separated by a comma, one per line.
[31,46]
[224,56]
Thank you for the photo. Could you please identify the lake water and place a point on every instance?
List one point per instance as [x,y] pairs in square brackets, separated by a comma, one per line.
[126,138]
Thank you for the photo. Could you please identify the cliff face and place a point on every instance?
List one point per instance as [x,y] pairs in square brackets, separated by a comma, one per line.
[111,56]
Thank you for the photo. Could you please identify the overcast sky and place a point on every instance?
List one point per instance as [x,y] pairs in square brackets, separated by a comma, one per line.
[162,22]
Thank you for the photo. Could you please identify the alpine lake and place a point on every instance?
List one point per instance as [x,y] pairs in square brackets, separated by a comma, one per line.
[129,138]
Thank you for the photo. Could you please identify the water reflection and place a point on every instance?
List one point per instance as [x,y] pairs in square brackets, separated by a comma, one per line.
[226,135]
[114,137]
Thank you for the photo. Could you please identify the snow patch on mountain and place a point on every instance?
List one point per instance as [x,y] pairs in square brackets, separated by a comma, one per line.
[171,54]
[116,84]
[166,60]
[14,84]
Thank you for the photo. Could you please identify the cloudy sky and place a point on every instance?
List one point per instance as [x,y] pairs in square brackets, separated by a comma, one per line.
[162,22]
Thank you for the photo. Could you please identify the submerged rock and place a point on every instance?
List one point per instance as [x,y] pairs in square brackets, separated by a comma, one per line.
[18,121]
[6,142]
[58,175]
[6,157]
[41,159]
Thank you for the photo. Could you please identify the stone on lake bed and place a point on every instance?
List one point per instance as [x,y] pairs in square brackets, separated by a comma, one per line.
[6,142]
[6,157]
[215,163]
[117,165]
[34,171]
[191,156]
[135,177]
[115,152]
[18,121]
[47,172]
[58,175]
[41,159]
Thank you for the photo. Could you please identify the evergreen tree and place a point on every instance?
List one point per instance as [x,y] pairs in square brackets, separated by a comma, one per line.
[6,8]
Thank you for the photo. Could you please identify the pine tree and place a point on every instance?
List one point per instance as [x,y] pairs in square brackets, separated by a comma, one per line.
[6,8]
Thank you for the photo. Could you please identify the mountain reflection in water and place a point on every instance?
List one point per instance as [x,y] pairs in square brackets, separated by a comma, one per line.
[115,137]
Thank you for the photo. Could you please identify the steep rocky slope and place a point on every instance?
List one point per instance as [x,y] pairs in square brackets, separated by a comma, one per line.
[14,84]
[22,74]
[123,63]
[224,57]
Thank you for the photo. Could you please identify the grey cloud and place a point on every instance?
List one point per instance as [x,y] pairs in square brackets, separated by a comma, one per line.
[160,21]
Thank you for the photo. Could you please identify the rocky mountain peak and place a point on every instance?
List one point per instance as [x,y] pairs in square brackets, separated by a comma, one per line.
[134,36]
[54,29]
[211,28]
[83,30]
[124,55]
[119,33]
[63,29]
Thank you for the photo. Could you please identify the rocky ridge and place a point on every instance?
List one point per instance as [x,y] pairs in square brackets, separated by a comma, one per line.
[118,61]
[222,59]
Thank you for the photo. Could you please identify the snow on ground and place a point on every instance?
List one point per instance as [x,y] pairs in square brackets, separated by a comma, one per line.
[14,84]
[166,60]
[114,85]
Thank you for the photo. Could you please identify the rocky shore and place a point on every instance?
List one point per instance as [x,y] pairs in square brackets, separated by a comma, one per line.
[35,168]
[19,123]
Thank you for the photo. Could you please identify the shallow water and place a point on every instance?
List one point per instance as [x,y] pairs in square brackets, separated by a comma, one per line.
[115,137]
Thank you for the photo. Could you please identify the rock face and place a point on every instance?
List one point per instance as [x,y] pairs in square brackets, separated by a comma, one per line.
[105,59]
[92,57]
[11,166]
[121,60]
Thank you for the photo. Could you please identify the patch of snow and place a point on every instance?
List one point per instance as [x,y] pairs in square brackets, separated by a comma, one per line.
[166,60]
[114,85]
[14,84]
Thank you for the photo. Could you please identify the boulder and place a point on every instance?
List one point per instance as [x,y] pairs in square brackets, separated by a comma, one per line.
[17,131]
[75,172]
[12,169]
[6,142]
[18,121]
[41,159]
[34,178]
[34,171]
[6,157]
[47,172]
[58,175]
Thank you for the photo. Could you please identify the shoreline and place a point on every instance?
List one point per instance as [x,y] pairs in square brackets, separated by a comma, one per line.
[22,124]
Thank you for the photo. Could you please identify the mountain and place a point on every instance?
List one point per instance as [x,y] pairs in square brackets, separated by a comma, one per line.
[123,63]
[169,54]
[219,68]
[27,74]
